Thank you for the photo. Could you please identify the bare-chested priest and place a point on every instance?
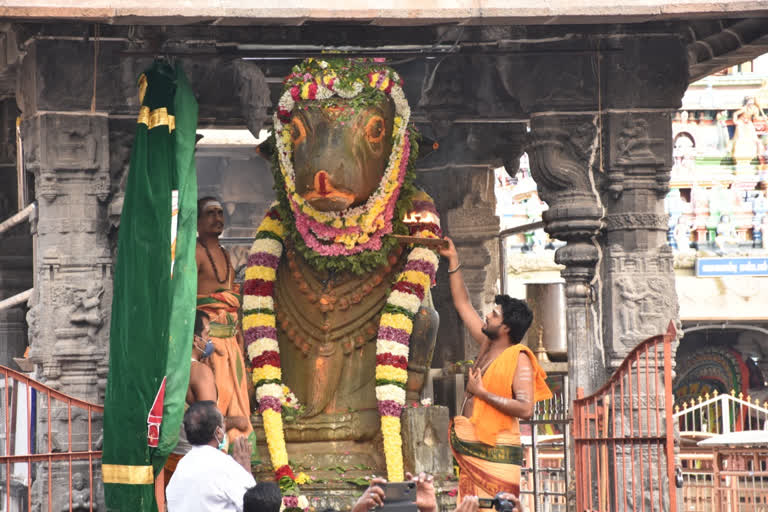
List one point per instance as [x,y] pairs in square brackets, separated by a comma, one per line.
[504,384]
[217,296]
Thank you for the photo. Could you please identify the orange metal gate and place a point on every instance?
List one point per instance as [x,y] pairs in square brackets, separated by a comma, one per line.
[623,435]
[741,479]
[48,455]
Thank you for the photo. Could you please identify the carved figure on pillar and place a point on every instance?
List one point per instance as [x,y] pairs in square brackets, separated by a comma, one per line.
[81,495]
[632,296]
[87,306]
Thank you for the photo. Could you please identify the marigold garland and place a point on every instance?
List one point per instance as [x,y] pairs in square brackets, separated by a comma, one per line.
[353,240]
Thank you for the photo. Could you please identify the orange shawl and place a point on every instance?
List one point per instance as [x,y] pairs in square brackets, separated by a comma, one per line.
[498,379]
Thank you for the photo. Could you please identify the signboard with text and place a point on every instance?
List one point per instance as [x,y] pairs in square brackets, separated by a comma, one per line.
[719,267]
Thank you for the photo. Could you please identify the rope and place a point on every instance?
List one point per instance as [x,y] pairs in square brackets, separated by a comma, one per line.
[96,36]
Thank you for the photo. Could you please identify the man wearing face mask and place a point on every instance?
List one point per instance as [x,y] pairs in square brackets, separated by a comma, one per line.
[207,479]
[201,385]
[503,386]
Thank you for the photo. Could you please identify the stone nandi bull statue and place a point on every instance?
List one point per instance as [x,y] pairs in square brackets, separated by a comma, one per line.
[334,306]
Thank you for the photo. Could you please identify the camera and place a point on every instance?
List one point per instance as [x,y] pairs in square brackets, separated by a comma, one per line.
[498,503]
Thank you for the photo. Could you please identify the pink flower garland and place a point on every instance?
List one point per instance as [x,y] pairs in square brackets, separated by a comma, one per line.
[310,229]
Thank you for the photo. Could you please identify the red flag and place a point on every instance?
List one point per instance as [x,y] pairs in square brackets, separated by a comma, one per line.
[155,417]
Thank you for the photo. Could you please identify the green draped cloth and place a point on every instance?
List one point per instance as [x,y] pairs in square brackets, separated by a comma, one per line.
[155,286]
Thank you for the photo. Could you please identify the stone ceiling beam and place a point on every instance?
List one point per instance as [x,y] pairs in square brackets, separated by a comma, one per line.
[231,12]
[724,44]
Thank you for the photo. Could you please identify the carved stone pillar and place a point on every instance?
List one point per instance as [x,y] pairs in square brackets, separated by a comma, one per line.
[465,199]
[474,228]
[638,278]
[67,150]
[460,177]
[68,154]
[600,151]
[562,155]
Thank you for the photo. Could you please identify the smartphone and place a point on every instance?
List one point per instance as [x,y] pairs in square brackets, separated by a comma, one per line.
[399,497]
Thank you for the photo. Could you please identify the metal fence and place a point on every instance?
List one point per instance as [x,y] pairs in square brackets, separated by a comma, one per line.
[741,479]
[722,479]
[720,414]
[546,445]
[623,435]
[48,453]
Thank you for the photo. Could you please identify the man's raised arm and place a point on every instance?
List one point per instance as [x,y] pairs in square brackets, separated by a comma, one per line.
[461,302]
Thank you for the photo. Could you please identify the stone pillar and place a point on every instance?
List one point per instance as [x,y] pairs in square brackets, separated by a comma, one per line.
[562,155]
[66,147]
[473,225]
[600,150]
[474,228]
[639,293]
[638,279]
[460,176]
[15,244]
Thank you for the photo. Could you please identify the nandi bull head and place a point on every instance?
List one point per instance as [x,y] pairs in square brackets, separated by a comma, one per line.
[340,151]
[343,147]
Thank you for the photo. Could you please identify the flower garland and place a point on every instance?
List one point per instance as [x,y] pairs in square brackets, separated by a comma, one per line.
[392,344]
[392,347]
[353,240]
[260,334]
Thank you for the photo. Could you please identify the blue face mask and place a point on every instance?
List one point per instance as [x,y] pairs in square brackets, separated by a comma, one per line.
[208,350]
[223,442]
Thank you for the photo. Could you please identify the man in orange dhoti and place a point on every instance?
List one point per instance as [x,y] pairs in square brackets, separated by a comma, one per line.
[503,386]
[218,298]
[227,361]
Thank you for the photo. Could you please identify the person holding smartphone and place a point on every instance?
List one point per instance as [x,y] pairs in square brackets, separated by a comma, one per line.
[375,497]
[504,384]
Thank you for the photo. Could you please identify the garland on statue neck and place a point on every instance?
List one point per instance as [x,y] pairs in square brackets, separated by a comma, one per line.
[354,240]
[392,343]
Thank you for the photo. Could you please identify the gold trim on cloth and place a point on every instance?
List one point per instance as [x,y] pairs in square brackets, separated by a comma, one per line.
[131,475]
[155,118]
[222,330]
[142,87]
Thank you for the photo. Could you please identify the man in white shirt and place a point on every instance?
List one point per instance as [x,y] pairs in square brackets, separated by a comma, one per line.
[206,479]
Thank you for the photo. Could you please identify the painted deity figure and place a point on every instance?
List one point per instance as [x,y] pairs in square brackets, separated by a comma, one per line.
[682,234]
[759,211]
[675,206]
[746,143]
[726,234]
[335,307]
[720,204]
[723,138]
